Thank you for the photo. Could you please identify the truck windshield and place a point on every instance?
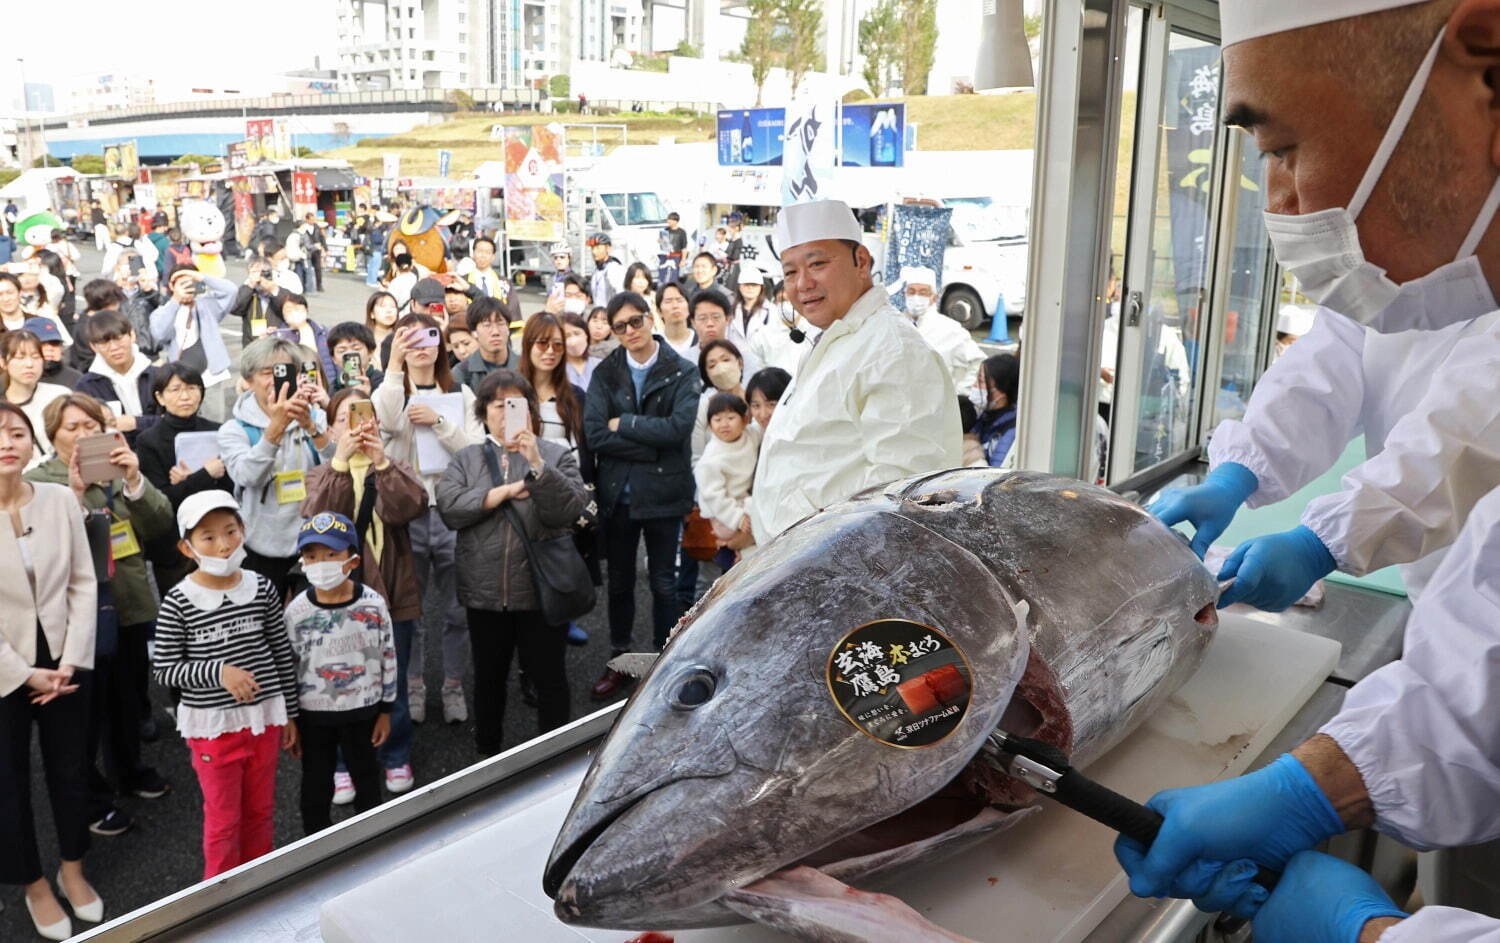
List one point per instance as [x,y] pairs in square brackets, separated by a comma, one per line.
[635,209]
[985,221]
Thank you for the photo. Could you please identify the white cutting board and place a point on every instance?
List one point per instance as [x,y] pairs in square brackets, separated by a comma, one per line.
[1053,877]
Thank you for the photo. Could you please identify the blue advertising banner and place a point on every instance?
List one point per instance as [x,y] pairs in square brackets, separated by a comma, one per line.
[874,135]
[751,137]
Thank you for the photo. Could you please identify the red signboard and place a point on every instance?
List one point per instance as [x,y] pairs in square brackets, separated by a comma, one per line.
[304,189]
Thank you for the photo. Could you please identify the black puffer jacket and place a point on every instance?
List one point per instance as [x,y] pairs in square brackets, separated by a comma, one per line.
[651,451]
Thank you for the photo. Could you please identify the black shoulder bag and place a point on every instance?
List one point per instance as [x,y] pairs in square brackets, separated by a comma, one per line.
[564,588]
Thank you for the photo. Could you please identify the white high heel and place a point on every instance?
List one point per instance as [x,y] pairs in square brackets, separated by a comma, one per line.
[92,912]
[60,930]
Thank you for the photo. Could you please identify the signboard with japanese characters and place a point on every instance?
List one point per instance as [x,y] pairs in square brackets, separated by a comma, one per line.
[304,192]
[238,155]
[534,183]
[904,683]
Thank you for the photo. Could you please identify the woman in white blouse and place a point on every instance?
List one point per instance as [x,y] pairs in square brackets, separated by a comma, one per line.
[47,622]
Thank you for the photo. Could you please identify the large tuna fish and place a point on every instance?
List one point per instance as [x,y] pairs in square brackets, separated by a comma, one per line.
[824,703]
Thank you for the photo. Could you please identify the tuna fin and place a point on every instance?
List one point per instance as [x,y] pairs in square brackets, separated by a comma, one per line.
[810,905]
[635,664]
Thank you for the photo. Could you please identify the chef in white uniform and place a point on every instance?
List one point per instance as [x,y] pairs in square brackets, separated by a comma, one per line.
[943,334]
[871,402]
[1414,751]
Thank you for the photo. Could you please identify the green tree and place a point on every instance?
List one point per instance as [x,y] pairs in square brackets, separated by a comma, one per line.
[559,86]
[804,25]
[877,40]
[918,38]
[687,50]
[199,159]
[88,163]
[759,46]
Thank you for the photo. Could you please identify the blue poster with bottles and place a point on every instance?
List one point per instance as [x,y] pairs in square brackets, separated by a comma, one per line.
[874,135]
[751,137]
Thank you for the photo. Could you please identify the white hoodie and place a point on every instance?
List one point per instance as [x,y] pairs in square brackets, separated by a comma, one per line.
[724,475]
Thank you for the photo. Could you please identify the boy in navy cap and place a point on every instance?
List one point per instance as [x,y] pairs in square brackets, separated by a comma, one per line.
[346,668]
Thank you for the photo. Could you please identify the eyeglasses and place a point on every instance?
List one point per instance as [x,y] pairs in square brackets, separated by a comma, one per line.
[629,324]
[550,345]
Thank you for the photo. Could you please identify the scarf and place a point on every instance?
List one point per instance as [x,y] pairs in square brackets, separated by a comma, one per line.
[359,470]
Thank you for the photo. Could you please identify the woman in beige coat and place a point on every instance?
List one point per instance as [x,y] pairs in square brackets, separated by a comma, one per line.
[48,612]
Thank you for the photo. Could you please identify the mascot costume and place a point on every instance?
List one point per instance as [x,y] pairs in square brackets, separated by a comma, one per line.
[202,226]
[423,230]
[35,231]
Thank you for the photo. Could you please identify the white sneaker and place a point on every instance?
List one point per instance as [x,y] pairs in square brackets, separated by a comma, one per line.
[400,779]
[343,789]
[416,701]
[455,709]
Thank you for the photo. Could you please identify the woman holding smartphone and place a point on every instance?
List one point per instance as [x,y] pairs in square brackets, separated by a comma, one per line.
[48,611]
[512,469]
[419,365]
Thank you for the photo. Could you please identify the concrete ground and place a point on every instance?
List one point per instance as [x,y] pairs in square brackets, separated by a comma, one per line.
[161,854]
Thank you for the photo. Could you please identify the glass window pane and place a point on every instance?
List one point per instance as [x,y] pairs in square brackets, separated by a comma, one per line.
[1179,251]
[1246,311]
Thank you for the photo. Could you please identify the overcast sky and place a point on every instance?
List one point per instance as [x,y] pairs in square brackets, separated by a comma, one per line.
[215,42]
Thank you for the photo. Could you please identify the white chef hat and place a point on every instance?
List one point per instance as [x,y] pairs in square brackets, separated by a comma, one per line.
[1240,20]
[802,223]
[1295,319]
[918,275]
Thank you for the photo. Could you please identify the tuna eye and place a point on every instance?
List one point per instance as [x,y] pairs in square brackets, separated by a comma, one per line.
[693,690]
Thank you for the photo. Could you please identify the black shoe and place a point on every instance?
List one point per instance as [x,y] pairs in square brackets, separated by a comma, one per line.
[148,784]
[528,690]
[114,822]
[150,733]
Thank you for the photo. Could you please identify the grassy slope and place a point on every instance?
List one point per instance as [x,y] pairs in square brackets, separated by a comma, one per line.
[946,122]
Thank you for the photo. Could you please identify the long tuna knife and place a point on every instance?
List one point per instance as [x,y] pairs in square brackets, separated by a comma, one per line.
[1046,769]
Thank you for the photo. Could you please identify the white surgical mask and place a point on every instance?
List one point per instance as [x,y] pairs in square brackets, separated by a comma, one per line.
[917,305]
[725,374]
[573,305]
[223,566]
[1322,251]
[977,397]
[294,316]
[325,574]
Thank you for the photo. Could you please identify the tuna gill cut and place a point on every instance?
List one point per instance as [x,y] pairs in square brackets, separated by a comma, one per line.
[825,702]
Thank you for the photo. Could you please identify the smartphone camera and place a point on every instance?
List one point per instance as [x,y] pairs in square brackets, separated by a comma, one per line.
[281,375]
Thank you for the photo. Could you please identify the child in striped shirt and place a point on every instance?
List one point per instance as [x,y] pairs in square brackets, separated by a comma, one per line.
[220,638]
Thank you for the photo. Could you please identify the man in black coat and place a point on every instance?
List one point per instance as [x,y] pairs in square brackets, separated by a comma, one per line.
[120,375]
[638,419]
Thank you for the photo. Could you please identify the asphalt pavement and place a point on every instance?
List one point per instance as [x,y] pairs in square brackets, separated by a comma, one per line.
[162,854]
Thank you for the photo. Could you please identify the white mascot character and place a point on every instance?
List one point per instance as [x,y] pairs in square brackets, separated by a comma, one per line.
[203,226]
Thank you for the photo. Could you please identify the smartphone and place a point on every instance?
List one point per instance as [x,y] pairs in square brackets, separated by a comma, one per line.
[517,417]
[427,337]
[93,457]
[353,369]
[195,288]
[281,374]
[310,374]
[361,411]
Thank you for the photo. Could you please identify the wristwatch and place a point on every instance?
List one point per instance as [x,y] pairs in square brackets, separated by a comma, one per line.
[535,471]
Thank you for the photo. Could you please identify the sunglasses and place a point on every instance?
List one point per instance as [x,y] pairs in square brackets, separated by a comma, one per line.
[629,324]
[550,345]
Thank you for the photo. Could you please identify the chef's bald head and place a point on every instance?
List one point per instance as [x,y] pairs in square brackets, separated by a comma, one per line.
[1318,99]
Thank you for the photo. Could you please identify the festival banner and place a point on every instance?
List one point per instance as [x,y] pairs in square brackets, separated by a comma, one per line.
[304,192]
[808,161]
[239,156]
[121,160]
[534,199]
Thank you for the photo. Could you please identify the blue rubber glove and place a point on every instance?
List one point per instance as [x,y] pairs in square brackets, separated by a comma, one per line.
[1321,899]
[1276,570]
[1266,816]
[1209,507]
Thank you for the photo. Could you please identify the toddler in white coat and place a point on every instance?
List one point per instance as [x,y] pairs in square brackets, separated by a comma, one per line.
[726,471]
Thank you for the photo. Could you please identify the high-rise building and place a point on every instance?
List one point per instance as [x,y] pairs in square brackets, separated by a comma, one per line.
[390,44]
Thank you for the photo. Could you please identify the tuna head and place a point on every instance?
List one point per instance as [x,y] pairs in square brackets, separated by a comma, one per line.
[827,684]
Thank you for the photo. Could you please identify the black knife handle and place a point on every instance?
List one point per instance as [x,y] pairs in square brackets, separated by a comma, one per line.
[1125,816]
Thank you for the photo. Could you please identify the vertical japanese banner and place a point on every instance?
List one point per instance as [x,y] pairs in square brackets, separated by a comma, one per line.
[534,199]
[304,193]
[259,146]
[808,159]
[1193,78]
[445,161]
[919,237]
[281,137]
[244,209]
[237,158]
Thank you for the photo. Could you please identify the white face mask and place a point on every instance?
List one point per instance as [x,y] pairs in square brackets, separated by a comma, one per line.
[1322,251]
[917,305]
[573,305]
[223,566]
[978,399]
[325,574]
[725,374]
[294,316]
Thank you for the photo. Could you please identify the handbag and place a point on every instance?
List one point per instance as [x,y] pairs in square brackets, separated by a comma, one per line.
[698,540]
[564,588]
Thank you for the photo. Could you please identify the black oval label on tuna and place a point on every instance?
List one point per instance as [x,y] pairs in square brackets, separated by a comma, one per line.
[901,682]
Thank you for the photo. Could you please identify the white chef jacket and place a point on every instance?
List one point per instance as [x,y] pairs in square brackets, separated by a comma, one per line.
[1424,402]
[1444,925]
[1424,731]
[954,344]
[871,403]
[773,346]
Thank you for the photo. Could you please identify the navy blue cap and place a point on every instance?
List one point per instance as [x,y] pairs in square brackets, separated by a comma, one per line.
[43,328]
[329,529]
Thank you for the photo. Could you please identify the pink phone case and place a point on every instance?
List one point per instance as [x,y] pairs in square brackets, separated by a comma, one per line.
[517,417]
